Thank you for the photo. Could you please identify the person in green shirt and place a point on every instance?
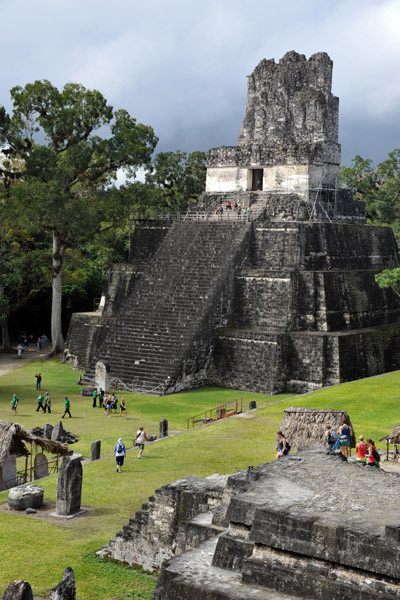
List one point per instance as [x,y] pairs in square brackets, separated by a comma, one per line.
[39,401]
[94,396]
[14,403]
[67,405]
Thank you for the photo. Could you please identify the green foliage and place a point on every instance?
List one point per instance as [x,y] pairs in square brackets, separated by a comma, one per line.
[64,188]
[178,178]
[389,278]
[378,187]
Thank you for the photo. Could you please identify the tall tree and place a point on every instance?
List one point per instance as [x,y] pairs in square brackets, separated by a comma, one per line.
[64,186]
[178,177]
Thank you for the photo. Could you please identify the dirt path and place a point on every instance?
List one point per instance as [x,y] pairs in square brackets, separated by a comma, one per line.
[9,360]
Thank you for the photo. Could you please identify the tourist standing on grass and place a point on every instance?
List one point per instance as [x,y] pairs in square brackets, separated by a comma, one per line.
[101,397]
[345,433]
[94,396]
[14,403]
[40,400]
[119,453]
[141,438]
[122,408]
[38,381]
[283,446]
[47,403]
[108,406]
[361,450]
[67,404]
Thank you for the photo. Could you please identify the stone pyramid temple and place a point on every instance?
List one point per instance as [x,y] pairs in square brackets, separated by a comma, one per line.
[276,291]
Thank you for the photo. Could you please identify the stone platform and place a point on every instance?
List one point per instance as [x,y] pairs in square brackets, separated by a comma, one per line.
[310,526]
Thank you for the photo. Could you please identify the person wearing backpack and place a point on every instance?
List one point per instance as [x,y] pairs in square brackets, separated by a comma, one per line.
[283,446]
[119,453]
[330,437]
[141,438]
[373,457]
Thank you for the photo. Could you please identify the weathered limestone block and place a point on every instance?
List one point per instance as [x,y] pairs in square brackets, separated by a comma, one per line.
[47,431]
[58,433]
[102,375]
[18,590]
[159,529]
[309,526]
[25,496]
[95,450]
[69,485]
[66,589]
[163,428]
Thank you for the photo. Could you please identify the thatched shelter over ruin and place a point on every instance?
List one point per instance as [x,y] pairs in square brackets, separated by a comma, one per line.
[305,427]
[14,442]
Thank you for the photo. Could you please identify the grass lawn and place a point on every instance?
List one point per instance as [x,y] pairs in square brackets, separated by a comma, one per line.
[39,550]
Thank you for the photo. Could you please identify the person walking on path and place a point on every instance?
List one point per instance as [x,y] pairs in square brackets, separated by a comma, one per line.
[47,403]
[283,446]
[38,381]
[14,403]
[141,438]
[345,432]
[361,450]
[122,408]
[67,404]
[40,400]
[94,396]
[20,350]
[119,453]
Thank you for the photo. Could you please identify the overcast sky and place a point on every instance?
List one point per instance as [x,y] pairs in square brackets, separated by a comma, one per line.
[181,65]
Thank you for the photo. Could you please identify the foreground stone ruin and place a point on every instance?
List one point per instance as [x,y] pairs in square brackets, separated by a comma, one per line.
[309,526]
[279,297]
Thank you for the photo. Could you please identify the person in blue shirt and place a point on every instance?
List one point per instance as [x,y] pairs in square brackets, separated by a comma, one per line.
[119,453]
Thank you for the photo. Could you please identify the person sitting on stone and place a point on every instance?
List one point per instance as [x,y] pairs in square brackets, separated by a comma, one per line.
[283,446]
[372,454]
[361,450]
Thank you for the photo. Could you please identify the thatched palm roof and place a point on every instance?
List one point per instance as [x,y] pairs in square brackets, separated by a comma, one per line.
[13,438]
[305,427]
[394,437]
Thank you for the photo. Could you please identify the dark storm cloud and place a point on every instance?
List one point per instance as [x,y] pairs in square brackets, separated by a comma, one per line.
[181,66]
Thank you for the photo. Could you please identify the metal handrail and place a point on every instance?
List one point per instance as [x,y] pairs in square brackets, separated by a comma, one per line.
[221,412]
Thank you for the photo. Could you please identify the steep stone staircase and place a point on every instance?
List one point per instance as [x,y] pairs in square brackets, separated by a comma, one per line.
[162,337]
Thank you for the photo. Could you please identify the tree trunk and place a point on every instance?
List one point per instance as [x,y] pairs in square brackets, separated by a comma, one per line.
[5,336]
[56,325]
[4,327]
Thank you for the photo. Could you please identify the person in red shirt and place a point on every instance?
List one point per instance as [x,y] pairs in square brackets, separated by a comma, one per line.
[361,450]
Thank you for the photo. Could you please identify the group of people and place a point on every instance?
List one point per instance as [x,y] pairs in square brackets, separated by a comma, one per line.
[366,452]
[237,208]
[109,402]
[120,449]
